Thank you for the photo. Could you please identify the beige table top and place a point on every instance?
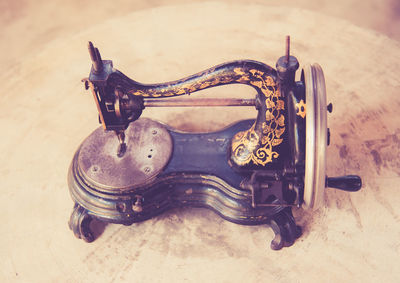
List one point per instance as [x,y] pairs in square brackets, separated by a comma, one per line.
[46,114]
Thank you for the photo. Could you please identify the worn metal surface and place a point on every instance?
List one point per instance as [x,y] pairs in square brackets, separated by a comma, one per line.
[149,147]
[316,136]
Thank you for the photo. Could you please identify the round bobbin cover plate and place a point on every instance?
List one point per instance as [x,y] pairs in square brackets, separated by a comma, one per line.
[149,148]
[316,136]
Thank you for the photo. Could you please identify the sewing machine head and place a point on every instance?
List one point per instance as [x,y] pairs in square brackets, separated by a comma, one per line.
[252,172]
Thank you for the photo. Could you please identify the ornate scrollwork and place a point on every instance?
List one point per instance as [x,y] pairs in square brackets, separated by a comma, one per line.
[301,109]
[257,145]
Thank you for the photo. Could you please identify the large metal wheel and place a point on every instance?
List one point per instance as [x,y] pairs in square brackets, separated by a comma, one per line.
[316,136]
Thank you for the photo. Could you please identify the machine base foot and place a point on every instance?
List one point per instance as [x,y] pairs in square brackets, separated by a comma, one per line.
[285,229]
[79,223]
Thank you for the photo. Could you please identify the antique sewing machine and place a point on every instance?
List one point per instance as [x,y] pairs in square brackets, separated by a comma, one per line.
[252,172]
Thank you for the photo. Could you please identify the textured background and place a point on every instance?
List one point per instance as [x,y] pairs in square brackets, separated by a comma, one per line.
[46,114]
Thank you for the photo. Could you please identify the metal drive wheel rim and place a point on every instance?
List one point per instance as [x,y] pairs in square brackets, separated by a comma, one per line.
[316,136]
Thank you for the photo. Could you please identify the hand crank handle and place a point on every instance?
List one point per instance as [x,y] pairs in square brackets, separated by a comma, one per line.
[349,183]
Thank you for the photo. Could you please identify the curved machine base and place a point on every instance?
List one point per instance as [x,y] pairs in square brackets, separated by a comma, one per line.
[170,191]
[282,224]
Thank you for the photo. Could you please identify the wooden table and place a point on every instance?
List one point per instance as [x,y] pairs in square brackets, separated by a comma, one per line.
[46,114]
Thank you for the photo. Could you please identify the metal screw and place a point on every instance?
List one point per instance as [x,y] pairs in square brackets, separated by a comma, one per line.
[147,169]
[137,206]
[86,83]
[154,132]
[121,207]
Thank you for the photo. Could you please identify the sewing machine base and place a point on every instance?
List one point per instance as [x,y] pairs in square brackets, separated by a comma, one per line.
[282,224]
[173,180]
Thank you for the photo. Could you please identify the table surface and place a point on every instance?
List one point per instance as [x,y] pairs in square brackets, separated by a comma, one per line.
[46,113]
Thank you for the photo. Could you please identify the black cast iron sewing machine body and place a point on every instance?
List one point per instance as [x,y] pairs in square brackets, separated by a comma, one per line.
[252,172]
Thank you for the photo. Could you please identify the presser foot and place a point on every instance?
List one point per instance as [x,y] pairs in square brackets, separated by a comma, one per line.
[79,223]
[285,229]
